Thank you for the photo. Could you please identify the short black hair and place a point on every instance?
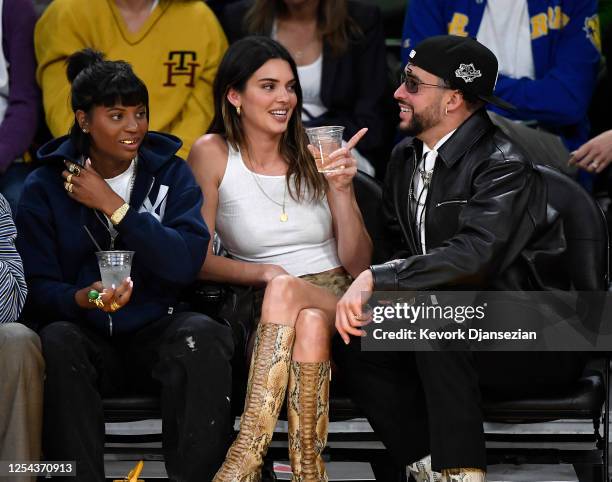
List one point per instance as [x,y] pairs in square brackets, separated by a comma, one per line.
[97,82]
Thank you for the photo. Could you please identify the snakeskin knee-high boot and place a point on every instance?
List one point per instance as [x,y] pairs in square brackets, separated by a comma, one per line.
[265,395]
[308,417]
[421,471]
[463,475]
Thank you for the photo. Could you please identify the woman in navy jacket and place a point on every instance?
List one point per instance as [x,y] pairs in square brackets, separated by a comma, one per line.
[115,182]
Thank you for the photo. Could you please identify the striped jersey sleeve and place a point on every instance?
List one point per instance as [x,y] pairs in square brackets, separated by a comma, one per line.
[13,287]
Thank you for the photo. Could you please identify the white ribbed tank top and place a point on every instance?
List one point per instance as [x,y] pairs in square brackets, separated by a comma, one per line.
[250,228]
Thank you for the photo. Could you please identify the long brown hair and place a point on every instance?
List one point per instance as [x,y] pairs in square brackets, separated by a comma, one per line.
[334,23]
[239,63]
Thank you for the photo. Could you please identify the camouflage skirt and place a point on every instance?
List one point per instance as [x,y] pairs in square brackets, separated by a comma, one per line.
[336,283]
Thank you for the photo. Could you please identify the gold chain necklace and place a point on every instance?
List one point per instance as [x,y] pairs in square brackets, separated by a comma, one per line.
[113,233]
[304,45]
[283,216]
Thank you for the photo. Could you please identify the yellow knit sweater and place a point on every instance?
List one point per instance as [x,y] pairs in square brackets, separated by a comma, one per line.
[176,53]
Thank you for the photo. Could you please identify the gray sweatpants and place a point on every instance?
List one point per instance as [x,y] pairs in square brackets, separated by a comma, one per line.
[21,395]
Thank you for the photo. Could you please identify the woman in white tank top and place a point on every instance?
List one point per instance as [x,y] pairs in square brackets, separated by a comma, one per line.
[288,229]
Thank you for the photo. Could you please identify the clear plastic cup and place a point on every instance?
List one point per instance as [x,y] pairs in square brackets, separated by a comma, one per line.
[325,139]
[115,266]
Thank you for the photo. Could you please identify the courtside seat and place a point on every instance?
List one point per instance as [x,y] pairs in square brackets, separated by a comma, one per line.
[582,401]
[585,266]
[130,409]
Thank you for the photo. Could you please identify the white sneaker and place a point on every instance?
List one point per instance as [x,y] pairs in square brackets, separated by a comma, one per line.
[422,472]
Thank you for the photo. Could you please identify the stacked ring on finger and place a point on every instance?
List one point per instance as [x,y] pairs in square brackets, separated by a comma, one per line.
[114,306]
[95,297]
[69,178]
[74,169]
[68,186]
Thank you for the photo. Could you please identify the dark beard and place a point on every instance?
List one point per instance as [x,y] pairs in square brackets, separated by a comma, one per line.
[423,121]
[415,127]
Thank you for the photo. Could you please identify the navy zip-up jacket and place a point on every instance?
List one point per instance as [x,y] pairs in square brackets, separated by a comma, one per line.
[566,46]
[164,227]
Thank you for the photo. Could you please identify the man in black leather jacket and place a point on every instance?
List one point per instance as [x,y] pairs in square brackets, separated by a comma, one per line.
[465,210]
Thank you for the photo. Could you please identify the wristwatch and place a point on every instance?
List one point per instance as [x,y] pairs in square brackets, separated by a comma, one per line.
[119,214]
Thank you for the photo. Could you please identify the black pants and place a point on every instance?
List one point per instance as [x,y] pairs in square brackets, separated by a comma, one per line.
[422,403]
[185,357]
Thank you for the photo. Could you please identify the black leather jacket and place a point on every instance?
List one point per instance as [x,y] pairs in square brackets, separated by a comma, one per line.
[486,221]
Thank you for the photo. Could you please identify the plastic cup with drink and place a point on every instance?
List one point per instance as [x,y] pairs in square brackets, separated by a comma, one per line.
[115,266]
[325,140]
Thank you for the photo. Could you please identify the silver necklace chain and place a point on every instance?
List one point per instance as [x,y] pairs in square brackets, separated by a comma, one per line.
[426,175]
[283,217]
[106,222]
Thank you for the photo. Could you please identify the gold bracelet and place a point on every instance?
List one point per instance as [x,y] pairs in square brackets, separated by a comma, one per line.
[119,214]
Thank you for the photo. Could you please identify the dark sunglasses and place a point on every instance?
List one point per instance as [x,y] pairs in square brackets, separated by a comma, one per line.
[412,83]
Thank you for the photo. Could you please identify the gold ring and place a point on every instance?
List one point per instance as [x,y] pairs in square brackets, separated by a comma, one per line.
[74,169]
[96,298]
[114,306]
[595,164]
[68,186]
[98,302]
[69,178]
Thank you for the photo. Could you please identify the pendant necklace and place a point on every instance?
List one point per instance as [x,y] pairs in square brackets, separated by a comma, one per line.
[284,217]
[426,175]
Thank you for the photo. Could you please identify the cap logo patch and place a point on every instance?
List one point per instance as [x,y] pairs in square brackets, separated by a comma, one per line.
[467,72]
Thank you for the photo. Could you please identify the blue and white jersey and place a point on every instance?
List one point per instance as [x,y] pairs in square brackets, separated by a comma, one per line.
[566,45]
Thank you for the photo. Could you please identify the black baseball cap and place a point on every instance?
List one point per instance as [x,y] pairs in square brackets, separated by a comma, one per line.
[463,62]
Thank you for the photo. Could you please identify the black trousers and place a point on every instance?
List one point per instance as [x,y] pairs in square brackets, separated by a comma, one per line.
[422,403]
[185,357]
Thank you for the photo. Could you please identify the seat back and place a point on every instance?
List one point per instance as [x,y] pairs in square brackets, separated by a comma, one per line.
[586,233]
[393,15]
[368,192]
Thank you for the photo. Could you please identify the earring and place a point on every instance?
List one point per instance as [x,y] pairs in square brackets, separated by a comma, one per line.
[85,130]
[238,110]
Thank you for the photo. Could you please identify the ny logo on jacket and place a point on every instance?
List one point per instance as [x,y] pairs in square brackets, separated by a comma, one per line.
[157,208]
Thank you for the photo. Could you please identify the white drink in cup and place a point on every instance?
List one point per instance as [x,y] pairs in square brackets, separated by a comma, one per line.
[115,266]
[325,140]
